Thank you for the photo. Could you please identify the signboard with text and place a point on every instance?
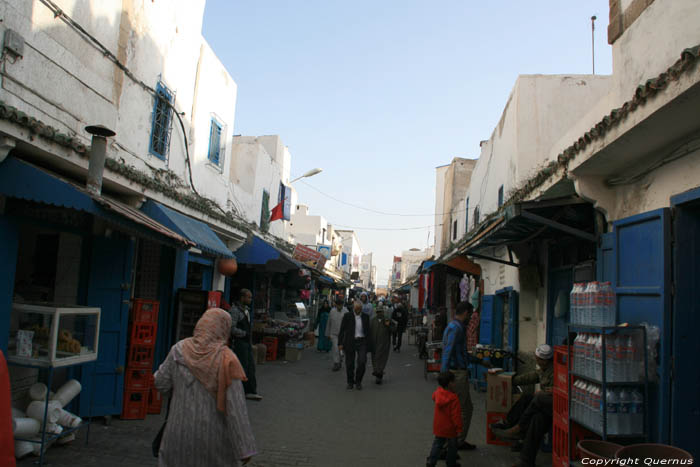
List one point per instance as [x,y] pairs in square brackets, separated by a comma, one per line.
[309,256]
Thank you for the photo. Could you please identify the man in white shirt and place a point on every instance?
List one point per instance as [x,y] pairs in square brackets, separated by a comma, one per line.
[335,317]
[355,339]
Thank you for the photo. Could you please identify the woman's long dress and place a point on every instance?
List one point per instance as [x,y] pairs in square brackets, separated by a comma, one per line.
[196,434]
[324,343]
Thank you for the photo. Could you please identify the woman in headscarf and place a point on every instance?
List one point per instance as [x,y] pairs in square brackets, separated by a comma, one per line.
[324,343]
[208,420]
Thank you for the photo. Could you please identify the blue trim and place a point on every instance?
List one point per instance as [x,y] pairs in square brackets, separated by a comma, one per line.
[163,130]
[204,260]
[686,197]
[197,231]
[9,239]
[256,251]
[214,142]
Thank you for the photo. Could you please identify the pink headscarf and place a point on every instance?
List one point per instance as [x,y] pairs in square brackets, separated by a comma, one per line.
[209,358]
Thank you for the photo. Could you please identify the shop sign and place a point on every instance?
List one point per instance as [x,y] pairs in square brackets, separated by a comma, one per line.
[308,256]
[325,250]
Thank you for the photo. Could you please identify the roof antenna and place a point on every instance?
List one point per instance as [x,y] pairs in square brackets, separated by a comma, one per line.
[593,18]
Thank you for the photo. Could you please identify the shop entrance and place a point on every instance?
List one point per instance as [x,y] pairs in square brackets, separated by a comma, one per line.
[685,379]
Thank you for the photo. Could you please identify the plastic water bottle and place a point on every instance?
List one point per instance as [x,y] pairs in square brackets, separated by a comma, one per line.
[590,355]
[629,371]
[637,412]
[573,304]
[612,403]
[609,304]
[585,304]
[625,423]
[578,354]
[610,358]
[597,408]
[598,357]
[588,416]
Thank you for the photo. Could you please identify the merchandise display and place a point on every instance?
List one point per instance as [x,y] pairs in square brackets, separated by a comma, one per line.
[53,335]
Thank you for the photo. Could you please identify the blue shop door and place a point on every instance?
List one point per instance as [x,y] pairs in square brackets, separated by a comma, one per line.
[642,265]
[513,328]
[486,320]
[109,288]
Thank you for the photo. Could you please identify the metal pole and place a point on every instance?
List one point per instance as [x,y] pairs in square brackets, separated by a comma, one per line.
[593,18]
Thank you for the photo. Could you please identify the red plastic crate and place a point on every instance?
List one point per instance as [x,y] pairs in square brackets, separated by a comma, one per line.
[135,405]
[138,379]
[561,368]
[494,417]
[143,333]
[560,405]
[144,311]
[561,439]
[140,356]
[271,344]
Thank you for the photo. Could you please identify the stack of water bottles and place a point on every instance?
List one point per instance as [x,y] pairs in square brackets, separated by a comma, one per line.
[592,304]
[625,408]
[622,362]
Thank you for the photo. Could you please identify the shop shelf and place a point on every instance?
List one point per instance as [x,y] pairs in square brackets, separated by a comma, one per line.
[135,404]
[144,311]
[140,356]
[142,333]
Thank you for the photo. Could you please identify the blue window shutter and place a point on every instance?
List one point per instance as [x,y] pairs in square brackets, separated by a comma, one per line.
[214,142]
[161,122]
[466,219]
[500,196]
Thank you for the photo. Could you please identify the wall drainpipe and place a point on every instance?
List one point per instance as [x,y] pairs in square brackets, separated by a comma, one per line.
[98,153]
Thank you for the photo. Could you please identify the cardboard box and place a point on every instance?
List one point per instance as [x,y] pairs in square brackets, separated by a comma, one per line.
[499,392]
[292,354]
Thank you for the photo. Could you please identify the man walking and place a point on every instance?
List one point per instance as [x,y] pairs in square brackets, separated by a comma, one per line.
[456,359]
[355,338]
[381,327]
[367,307]
[335,317]
[243,343]
[400,315]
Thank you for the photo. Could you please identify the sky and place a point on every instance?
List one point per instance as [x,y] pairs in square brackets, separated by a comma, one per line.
[379,93]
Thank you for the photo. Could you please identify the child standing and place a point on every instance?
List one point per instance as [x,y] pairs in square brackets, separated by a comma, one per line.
[447,420]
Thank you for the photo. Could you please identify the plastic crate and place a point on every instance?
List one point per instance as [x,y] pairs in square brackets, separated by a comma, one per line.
[560,405]
[155,399]
[271,344]
[140,356]
[135,405]
[561,368]
[138,379]
[144,311]
[142,333]
[494,417]
[561,439]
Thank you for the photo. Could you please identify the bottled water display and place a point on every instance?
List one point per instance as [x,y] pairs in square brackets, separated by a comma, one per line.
[612,405]
[592,304]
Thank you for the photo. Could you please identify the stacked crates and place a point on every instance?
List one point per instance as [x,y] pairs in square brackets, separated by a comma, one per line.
[138,382]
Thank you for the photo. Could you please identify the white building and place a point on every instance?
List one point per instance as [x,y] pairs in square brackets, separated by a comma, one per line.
[366,268]
[411,261]
[451,184]
[351,253]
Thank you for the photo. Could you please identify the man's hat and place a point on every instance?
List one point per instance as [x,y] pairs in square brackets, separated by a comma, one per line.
[544,352]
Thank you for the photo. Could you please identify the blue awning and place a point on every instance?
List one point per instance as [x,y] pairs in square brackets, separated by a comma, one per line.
[198,232]
[327,280]
[20,179]
[256,251]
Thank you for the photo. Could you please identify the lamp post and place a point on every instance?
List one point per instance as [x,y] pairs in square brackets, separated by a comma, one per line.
[310,173]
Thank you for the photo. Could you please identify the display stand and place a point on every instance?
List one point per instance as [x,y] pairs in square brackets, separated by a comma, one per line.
[608,332]
[46,438]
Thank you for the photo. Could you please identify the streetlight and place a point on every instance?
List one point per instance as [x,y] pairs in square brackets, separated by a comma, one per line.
[310,173]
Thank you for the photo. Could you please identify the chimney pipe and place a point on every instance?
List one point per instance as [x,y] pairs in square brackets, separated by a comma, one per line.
[98,153]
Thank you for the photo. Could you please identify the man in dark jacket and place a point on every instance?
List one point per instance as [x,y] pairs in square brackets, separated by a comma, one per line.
[400,316]
[355,339]
[243,342]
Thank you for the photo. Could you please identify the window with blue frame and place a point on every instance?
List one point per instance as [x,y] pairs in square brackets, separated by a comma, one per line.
[215,150]
[161,125]
[343,259]
[500,196]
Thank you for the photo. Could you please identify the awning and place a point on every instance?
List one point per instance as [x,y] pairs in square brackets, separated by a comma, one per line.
[461,263]
[326,280]
[256,251]
[198,232]
[527,221]
[19,179]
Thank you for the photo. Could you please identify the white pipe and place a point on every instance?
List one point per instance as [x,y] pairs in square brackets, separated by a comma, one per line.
[67,392]
[38,392]
[24,427]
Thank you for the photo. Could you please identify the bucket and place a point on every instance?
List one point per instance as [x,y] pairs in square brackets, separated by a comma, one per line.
[597,449]
[652,451]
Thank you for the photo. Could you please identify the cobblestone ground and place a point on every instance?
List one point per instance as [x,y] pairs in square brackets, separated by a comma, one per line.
[307,418]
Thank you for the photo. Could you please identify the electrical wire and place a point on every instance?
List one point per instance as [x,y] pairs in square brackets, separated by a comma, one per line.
[386,228]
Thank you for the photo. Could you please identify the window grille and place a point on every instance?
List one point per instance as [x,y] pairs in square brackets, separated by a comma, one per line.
[215,142]
[162,123]
[500,196]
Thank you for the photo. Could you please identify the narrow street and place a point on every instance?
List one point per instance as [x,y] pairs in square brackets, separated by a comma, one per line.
[308,418]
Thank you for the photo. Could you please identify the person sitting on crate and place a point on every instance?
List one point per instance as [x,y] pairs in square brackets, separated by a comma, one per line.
[530,418]
[243,343]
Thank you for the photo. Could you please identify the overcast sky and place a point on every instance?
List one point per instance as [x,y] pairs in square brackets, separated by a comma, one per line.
[379,93]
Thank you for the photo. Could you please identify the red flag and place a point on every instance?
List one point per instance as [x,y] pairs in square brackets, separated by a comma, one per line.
[276,212]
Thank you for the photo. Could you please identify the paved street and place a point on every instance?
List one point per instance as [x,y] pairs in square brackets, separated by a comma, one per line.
[308,418]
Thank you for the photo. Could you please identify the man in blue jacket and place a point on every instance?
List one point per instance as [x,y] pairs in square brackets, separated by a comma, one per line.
[455,359]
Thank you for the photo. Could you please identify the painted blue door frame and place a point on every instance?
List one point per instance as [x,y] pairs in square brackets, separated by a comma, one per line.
[685,377]
[9,239]
[109,288]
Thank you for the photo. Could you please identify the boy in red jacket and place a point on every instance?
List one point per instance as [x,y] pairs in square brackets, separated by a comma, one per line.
[447,420]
